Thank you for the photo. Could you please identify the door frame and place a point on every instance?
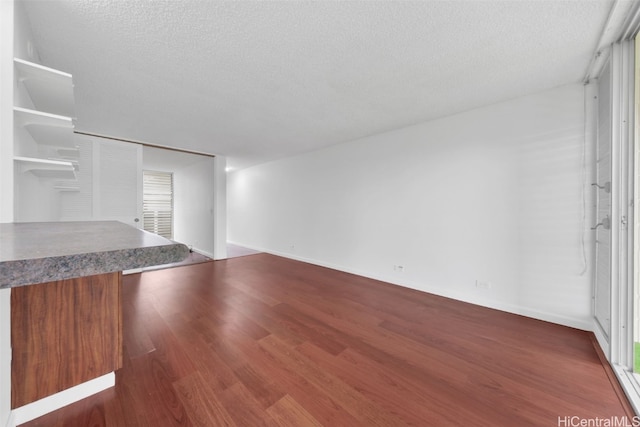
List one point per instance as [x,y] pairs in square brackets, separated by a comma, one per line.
[619,347]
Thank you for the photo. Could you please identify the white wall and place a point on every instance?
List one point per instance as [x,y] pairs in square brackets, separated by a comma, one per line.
[6,111]
[194,206]
[193,180]
[220,207]
[491,195]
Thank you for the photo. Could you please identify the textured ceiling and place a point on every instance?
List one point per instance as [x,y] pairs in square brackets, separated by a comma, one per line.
[256,81]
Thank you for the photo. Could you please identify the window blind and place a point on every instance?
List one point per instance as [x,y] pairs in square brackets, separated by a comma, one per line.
[157,210]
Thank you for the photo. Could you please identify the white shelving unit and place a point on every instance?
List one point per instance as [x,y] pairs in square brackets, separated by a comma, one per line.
[45,128]
[45,154]
[69,153]
[50,90]
[46,168]
[50,124]
[66,188]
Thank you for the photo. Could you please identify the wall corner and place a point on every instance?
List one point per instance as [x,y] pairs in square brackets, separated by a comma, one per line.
[220,207]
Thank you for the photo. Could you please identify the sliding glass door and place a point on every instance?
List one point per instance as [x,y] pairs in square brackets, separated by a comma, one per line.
[615,283]
[602,189]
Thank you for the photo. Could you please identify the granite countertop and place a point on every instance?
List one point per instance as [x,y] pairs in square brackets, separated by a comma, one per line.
[42,252]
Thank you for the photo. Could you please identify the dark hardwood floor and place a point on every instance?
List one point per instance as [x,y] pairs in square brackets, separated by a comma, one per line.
[262,340]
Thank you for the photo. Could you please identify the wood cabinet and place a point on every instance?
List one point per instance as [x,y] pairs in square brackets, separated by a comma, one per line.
[64,333]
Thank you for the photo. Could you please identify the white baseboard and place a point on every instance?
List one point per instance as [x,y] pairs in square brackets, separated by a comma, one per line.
[582,324]
[66,397]
[629,382]
[201,252]
[601,338]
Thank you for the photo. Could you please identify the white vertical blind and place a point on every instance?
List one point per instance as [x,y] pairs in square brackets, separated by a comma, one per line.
[157,211]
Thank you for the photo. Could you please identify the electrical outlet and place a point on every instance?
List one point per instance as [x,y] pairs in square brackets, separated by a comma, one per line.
[483,285]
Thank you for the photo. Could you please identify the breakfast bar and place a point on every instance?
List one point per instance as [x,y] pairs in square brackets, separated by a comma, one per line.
[66,303]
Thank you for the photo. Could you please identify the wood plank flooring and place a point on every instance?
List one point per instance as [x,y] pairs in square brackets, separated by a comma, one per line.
[262,340]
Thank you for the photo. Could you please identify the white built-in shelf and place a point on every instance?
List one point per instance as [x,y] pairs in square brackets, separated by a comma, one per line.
[46,168]
[66,188]
[74,162]
[45,128]
[50,90]
[69,153]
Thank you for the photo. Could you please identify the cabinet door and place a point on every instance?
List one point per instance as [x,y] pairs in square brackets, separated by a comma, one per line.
[64,333]
[117,185]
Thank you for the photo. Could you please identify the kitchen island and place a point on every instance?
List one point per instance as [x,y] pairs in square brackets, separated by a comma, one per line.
[66,307]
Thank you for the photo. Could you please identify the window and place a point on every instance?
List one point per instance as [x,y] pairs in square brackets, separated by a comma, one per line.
[157,205]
